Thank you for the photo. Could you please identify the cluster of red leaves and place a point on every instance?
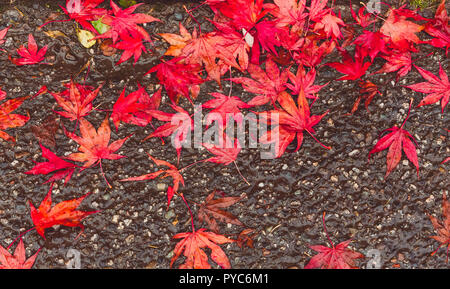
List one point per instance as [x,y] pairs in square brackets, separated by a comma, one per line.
[280,46]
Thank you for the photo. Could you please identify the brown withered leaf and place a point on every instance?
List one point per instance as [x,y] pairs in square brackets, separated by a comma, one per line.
[45,132]
[211,211]
[245,238]
[107,47]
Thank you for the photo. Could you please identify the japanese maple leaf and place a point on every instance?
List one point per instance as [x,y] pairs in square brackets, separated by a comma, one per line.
[267,85]
[84,11]
[172,172]
[288,13]
[336,257]
[362,19]
[94,145]
[353,68]
[177,42]
[76,101]
[223,107]
[442,227]
[401,31]
[437,89]
[330,24]
[225,152]
[266,36]
[312,54]
[293,121]
[2,35]
[10,120]
[318,9]
[18,260]
[63,213]
[400,62]
[30,55]
[191,247]
[178,124]
[305,81]
[368,91]
[124,22]
[397,139]
[132,46]
[438,28]
[132,108]
[178,78]
[372,43]
[59,167]
[242,13]
[213,209]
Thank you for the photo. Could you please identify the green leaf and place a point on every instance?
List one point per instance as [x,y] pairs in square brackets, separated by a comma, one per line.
[100,26]
[127,3]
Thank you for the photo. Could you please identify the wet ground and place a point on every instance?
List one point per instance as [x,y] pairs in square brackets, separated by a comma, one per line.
[286,197]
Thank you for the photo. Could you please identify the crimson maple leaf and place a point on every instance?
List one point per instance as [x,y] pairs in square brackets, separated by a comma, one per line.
[330,23]
[172,172]
[123,22]
[63,213]
[353,69]
[18,260]
[2,94]
[94,145]
[288,13]
[59,167]
[76,101]
[372,43]
[242,13]
[362,19]
[178,78]
[223,107]
[400,61]
[302,80]
[192,245]
[368,91]
[132,108]
[133,46]
[84,11]
[438,89]
[397,139]
[30,55]
[267,85]
[179,124]
[442,227]
[336,257]
[10,120]
[292,122]
[226,151]
[438,28]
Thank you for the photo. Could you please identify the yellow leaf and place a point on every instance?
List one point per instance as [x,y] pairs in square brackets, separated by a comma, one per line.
[85,36]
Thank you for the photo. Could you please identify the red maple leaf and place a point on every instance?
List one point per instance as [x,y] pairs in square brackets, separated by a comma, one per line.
[179,124]
[292,122]
[132,108]
[179,78]
[330,23]
[76,100]
[353,69]
[267,85]
[438,89]
[397,139]
[362,19]
[63,213]
[30,55]
[224,107]
[288,13]
[192,245]
[242,13]
[442,227]
[59,167]
[133,46]
[94,145]
[84,11]
[368,91]
[311,54]
[18,260]
[2,94]
[124,23]
[438,28]
[10,120]
[172,172]
[372,43]
[226,151]
[400,61]
[336,257]
[302,80]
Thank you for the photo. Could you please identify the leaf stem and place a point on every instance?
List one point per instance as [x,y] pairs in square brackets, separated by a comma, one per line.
[325,229]
[190,212]
[240,173]
[104,176]
[20,236]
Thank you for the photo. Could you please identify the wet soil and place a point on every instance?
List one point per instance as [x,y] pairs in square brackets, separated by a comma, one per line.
[286,196]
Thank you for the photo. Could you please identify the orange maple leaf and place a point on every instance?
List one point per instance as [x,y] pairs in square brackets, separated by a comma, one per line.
[9,120]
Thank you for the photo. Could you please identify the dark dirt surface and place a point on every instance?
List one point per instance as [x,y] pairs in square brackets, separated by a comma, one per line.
[287,196]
